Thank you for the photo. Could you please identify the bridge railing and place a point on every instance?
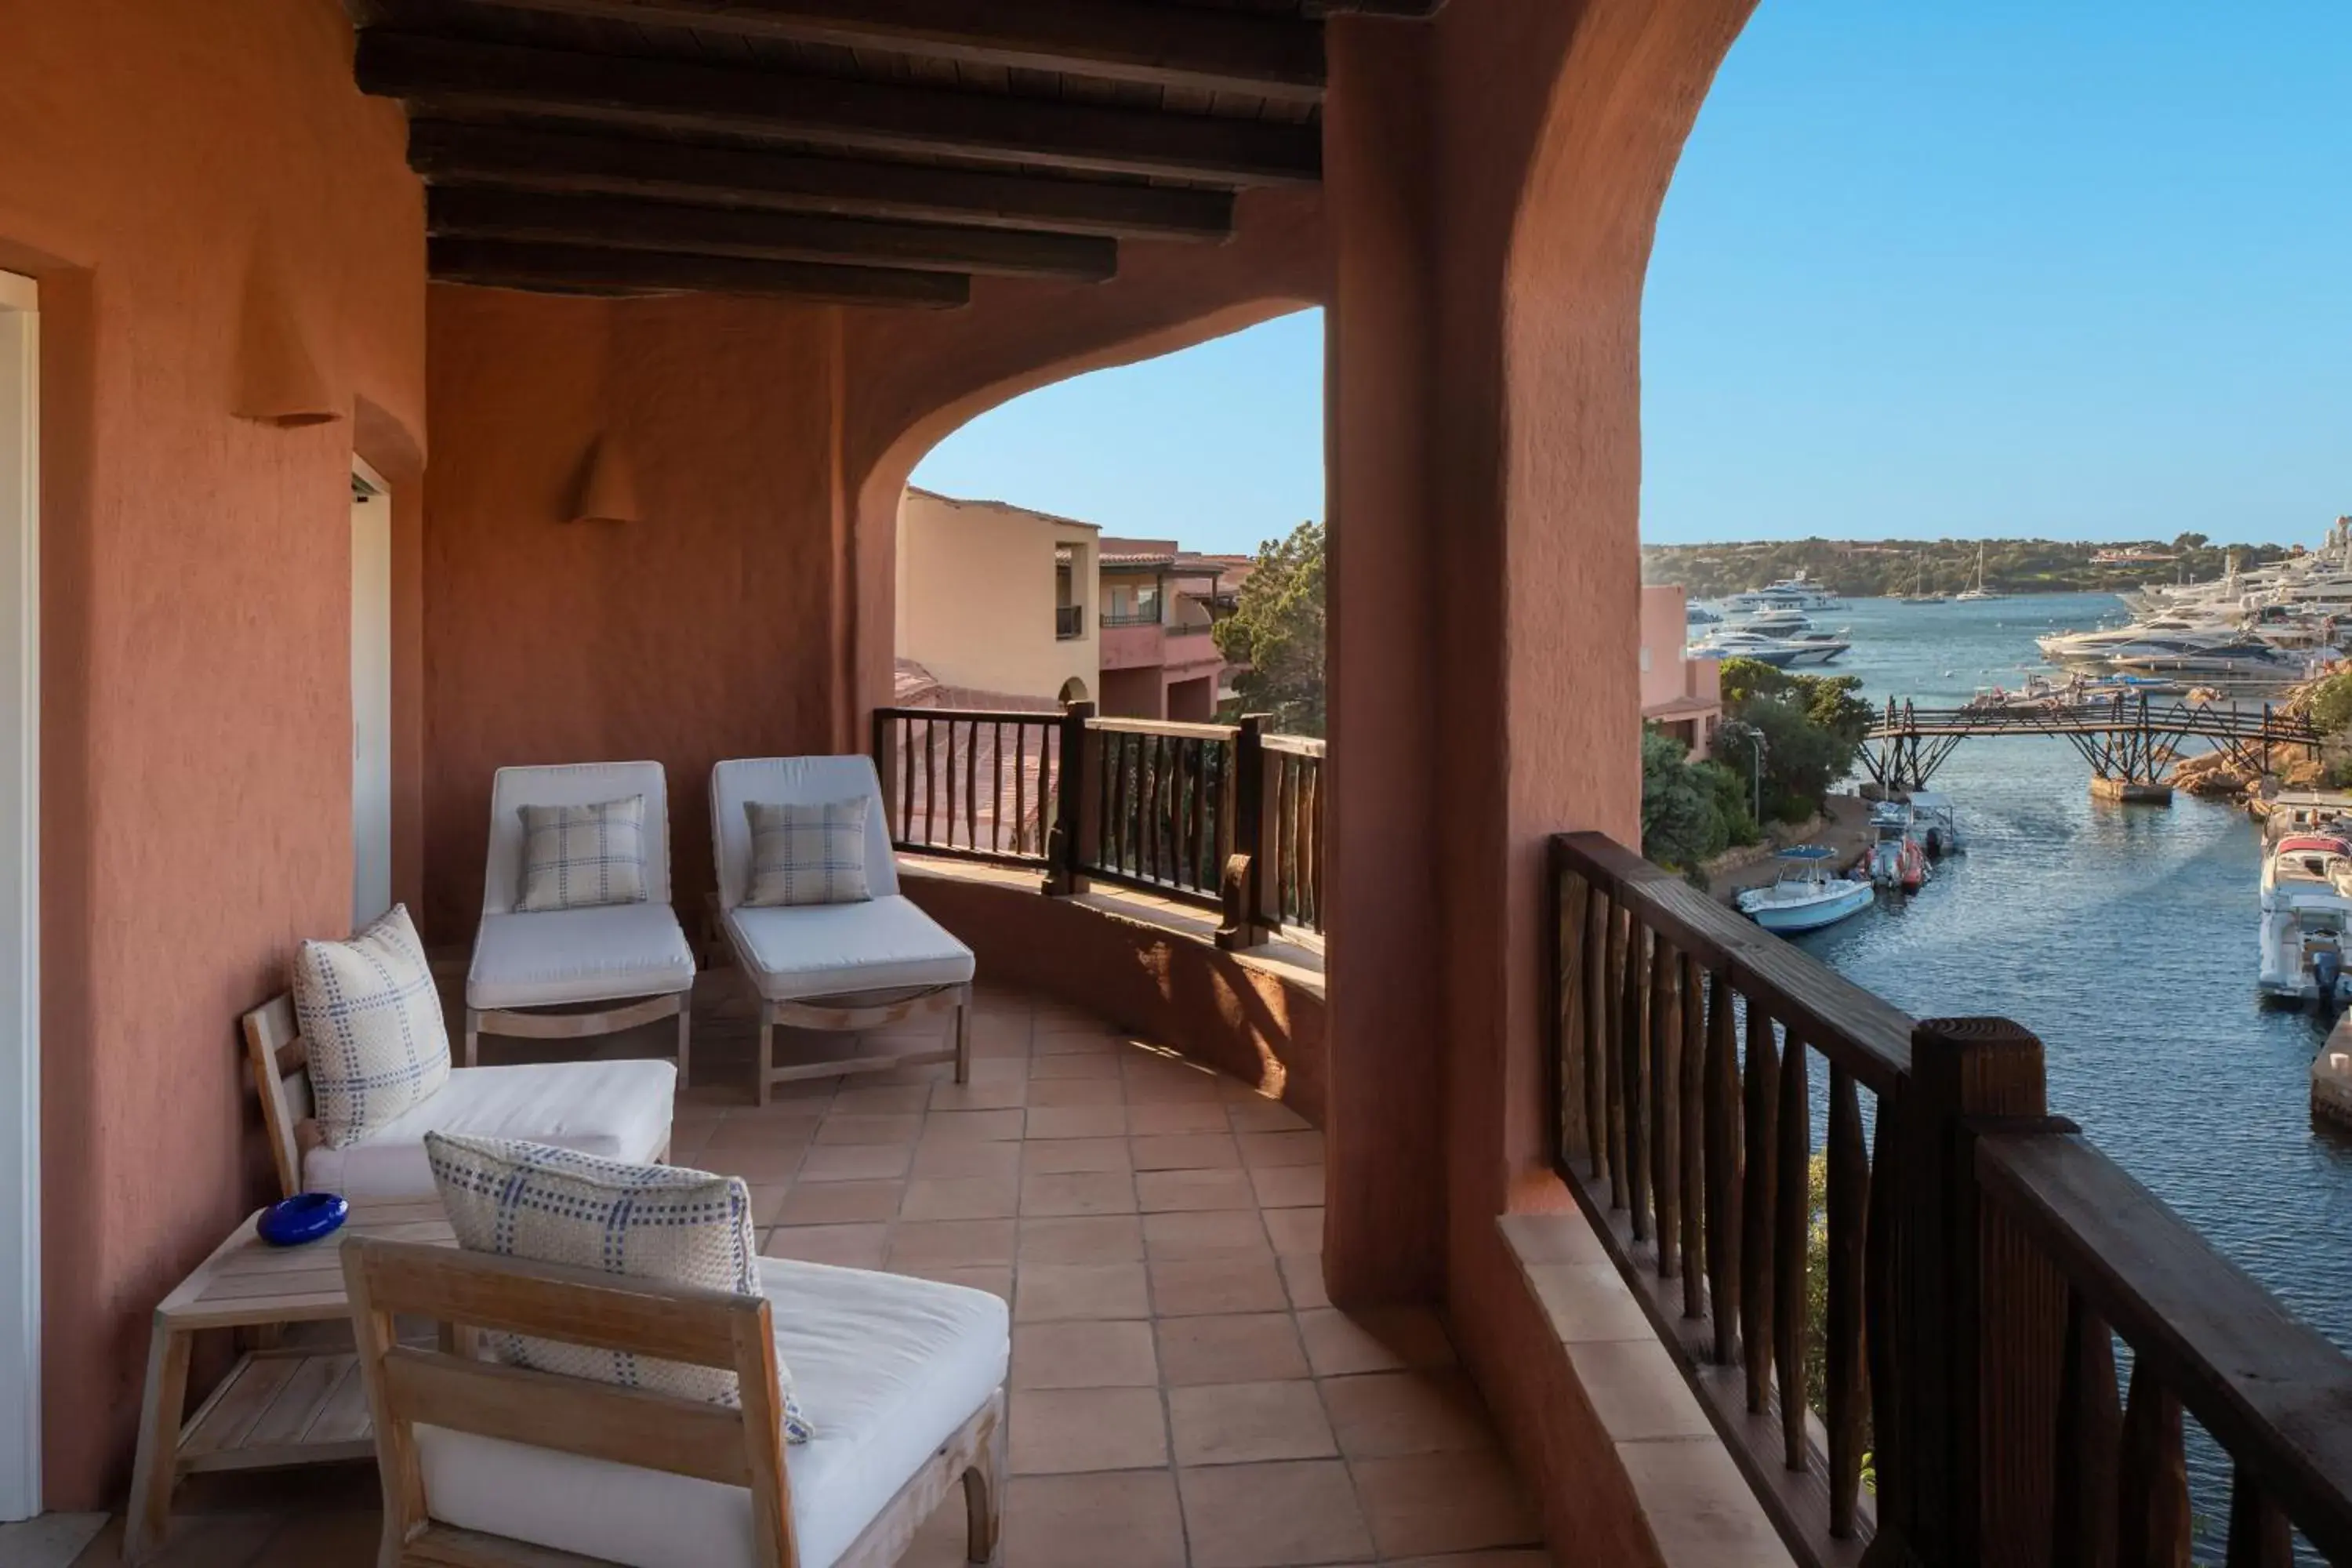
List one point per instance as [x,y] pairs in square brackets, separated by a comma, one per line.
[1871,1251]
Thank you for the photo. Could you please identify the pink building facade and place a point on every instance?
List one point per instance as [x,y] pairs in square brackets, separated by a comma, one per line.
[1682,695]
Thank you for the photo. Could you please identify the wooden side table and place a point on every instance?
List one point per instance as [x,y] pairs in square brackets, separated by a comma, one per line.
[278,1404]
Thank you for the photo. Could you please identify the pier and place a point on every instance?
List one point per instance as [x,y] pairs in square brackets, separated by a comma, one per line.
[2131,743]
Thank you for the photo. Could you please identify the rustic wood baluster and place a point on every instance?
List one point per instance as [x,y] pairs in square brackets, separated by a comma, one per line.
[1292,859]
[1665,1040]
[2090,1426]
[1635,1085]
[1204,870]
[1119,802]
[931,780]
[1315,862]
[1690,1081]
[1722,1123]
[1792,1228]
[971,782]
[996,782]
[1021,789]
[2152,1478]
[1621,1181]
[1600,923]
[1849,1207]
[1879,1264]
[1757,1207]
[1571,896]
[2260,1535]
[1163,813]
[907,778]
[1049,783]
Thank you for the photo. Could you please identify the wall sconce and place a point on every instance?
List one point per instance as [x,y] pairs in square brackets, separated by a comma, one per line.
[608,487]
[278,377]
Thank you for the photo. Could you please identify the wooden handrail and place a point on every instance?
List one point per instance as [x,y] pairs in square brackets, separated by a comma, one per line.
[1163,726]
[1295,746]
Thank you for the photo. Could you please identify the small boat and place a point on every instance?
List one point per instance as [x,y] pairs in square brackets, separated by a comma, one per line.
[1919,593]
[2306,904]
[1970,595]
[1808,895]
[1699,615]
[1936,822]
[1898,859]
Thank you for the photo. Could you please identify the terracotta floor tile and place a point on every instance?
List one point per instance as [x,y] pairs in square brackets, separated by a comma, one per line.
[1059,1430]
[1241,1423]
[1259,1115]
[1249,1347]
[971,1126]
[856,1163]
[1523,1557]
[951,1242]
[1059,1156]
[767,1198]
[1204,1233]
[1083,1238]
[1078,1121]
[1084,1355]
[1073,1042]
[1302,1276]
[965,1158]
[1273,1515]
[1177,1117]
[990,1093]
[1426,1503]
[1046,1292]
[1295,1230]
[840,1203]
[1378,1338]
[1185,1151]
[1080,1192]
[1115,1519]
[1261,1150]
[847,1245]
[1064,1091]
[1229,1282]
[881,1099]
[840,1128]
[1287,1186]
[996,1278]
[1159,1191]
[1181,1087]
[763,1132]
[762,1162]
[961,1197]
[1381,1415]
[1067,1066]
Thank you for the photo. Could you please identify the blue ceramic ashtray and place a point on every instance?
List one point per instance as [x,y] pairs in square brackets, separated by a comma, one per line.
[305,1216]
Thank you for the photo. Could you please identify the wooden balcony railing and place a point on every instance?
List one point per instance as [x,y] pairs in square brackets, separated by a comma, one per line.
[1222,816]
[1974,1261]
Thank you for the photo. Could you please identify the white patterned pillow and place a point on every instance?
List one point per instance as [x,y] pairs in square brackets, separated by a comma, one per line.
[808,854]
[641,1221]
[371,1024]
[578,857]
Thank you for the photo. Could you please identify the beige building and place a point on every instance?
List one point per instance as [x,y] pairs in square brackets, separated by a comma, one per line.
[997,601]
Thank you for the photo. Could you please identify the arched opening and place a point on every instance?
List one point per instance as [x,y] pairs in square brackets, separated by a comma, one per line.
[1073,691]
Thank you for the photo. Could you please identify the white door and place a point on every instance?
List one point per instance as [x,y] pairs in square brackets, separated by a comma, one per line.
[371,694]
[20,882]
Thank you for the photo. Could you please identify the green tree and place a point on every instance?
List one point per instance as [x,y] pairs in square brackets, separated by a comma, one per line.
[1811,725]
[1276,632]
[1691,812]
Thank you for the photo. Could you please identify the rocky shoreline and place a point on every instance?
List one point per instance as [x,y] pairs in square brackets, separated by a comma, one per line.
[1843,825]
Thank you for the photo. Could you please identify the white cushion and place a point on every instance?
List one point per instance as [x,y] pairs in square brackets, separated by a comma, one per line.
[825,949]
[619,1110]
[575,784]
[579,857]
[808,854]
[792,781]
[578,955]
[890,1367]
[371,1020]
[636,1221]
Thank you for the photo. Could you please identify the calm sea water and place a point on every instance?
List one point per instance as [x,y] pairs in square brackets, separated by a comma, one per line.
[2124,937]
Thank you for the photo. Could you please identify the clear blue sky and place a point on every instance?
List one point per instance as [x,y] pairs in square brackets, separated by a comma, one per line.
[2078,268]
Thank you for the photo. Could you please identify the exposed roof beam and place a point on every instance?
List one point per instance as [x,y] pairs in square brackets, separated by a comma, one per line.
[574,268]
[630,224]
[444,77]
[1165,46]
[523,158]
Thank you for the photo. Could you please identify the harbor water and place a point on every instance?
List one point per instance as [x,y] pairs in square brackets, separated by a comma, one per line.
[2124,937]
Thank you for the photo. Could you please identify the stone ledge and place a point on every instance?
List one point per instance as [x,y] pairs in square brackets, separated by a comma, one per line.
[1696,1505]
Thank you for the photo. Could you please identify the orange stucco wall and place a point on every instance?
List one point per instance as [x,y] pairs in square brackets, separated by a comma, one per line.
[196,581]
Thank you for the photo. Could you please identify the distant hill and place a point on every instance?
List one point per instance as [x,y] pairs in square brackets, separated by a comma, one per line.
[1891,568]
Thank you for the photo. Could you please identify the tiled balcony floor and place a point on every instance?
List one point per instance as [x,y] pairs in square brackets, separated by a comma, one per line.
[1183,1394]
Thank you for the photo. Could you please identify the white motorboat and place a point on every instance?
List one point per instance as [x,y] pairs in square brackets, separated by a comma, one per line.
[1695,615]
[1781,653]
[1936,821]
[1797,592]
[2307,905]
[1807,896]
[1780,618]
[2308,862]
[2245,658]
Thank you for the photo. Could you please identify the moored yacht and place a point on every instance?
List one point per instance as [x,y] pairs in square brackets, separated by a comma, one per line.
[1808,895]
[1781,653]
[2306,912]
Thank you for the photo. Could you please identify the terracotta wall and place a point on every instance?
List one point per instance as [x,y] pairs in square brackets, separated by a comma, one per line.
[708,627]
[196,717]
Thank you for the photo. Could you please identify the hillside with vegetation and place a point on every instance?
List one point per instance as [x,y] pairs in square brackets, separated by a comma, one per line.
[1892,568]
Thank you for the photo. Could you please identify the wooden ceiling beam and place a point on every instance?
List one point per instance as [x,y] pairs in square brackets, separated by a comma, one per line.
[528,159]
[632,224]
[445,77]
[1118,40]
[579,268]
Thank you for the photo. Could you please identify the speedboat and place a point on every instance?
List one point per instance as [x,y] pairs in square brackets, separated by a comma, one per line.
[1781,653]
[2304,863]
[1699,615]
[1936,823]
[1808,895]
[2302,948]
[1897,860]
[2244,659]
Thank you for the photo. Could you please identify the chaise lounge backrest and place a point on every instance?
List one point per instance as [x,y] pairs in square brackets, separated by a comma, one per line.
[280,1060]
[575,784]
[794,780]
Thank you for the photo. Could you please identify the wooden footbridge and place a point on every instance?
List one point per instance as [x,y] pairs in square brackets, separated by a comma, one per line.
[2131,743]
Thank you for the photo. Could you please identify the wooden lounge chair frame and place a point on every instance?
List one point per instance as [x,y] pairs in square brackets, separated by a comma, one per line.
[860,1011]
[466,1292]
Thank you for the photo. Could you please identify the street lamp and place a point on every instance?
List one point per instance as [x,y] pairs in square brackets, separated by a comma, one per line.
[1739,730]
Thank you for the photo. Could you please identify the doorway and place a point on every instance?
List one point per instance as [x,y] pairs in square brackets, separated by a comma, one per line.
[20,884]
[371,694]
